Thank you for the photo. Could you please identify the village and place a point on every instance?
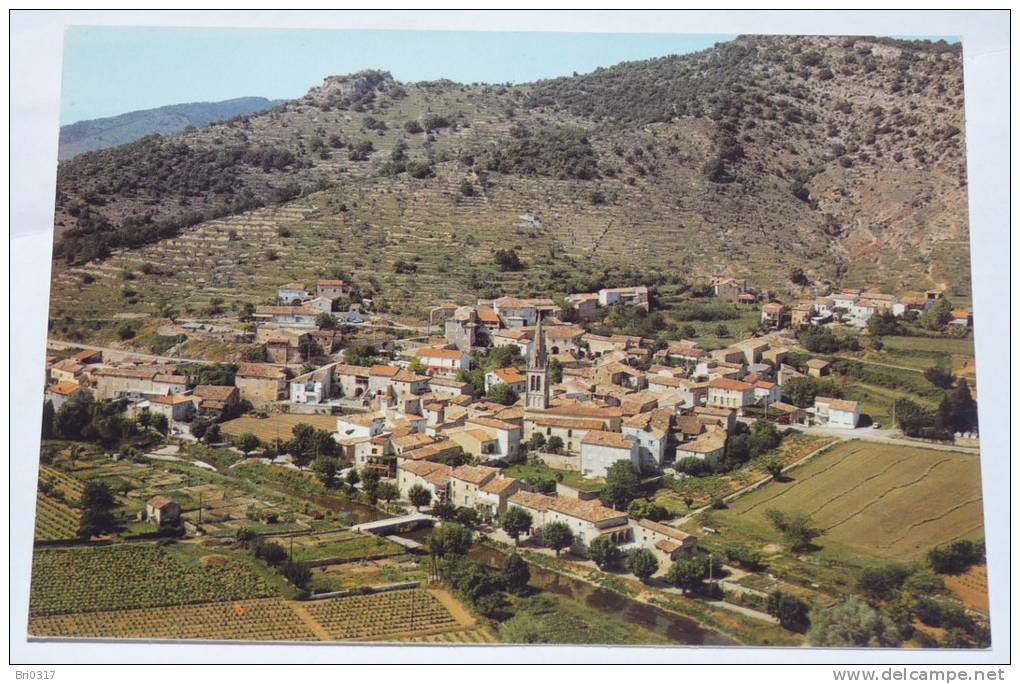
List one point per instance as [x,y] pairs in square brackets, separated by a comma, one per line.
[561,399]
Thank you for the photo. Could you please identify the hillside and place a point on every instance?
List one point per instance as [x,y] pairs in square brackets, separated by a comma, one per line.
[111,131]
[841,156]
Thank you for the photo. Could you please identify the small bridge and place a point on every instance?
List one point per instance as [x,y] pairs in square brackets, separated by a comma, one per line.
[399,523]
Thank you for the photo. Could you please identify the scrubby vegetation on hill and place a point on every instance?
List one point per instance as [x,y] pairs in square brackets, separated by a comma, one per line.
[842,157]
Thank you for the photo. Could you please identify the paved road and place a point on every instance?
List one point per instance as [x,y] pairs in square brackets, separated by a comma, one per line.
[866,434]
[883,436]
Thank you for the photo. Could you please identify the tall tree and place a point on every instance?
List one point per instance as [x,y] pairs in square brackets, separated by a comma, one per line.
[796,528]
[516,574]
[97,502]
[622,485]
[515,522]
[325,468]
[604,551]
[642,563]
[419,496]
[792,612]
[958,411]
[447,541]
[248,443]
[387,491]
[557,536]
[47,419]
[688,573]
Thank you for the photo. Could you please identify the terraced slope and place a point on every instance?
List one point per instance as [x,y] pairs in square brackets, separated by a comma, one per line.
[841,156]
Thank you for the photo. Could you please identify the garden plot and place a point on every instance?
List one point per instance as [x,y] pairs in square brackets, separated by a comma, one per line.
[88,579]
[55,520]
[70,488]
[385,616]
[373,573]
[253,620]
[341,545]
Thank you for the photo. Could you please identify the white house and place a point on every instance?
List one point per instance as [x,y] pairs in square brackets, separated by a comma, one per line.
[837,412]
[586,519]
[651,432]
[287,316]
[60,392]
[292,292]
[600,450]
[444,361]
[710,446]
[690,393]
[359,425]
[314,387]
[506,376]
[508,435]
[466,481]
[435,477]
[730,393]
[766,392]
[629,296]
[173,406]
[667,540]
[320,304]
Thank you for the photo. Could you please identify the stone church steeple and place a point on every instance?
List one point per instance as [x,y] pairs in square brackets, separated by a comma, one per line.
[537,395]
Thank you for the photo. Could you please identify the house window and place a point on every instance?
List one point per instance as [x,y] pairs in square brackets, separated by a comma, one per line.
[570,433]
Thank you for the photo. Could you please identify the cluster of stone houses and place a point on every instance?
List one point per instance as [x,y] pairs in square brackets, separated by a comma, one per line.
[855,307]
[511,320]
[158,388]
[298,305]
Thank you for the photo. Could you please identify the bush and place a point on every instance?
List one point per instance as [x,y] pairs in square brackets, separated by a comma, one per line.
[694,466]
[956,557]
[744,556]
[791,611]
[508,260]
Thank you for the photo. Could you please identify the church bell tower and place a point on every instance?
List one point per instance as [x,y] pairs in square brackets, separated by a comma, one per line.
[537,396]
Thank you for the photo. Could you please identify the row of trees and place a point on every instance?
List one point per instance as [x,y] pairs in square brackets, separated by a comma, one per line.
[81,417]
[956,413]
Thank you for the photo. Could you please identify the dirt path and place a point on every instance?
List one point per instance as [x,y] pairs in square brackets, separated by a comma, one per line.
[318,630]
[457,610]
[111,353]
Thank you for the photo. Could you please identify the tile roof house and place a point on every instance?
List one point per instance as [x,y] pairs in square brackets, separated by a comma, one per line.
[215,397]
[839,413]
[730,393]
[600,450]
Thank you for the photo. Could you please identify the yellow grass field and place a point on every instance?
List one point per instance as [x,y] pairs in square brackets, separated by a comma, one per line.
[878,501]
[277,425]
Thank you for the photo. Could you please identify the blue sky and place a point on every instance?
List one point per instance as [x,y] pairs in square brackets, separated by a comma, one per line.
[112,70]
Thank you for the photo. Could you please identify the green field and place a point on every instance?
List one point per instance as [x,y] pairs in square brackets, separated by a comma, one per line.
[87,579]
[875,502]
